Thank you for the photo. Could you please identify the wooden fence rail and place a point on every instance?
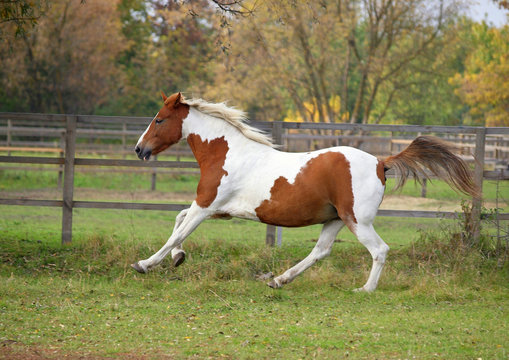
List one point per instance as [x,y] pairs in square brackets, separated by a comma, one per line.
[69,161]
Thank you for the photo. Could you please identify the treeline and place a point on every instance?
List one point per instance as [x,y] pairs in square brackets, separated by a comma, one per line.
[369,61]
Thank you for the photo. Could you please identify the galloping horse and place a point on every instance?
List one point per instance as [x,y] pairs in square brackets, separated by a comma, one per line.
[243,175]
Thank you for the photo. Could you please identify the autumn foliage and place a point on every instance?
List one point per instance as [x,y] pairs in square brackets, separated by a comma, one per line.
[411,61]
[484,85]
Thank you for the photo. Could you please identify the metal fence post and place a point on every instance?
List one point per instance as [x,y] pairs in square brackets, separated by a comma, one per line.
[70,148]
[277,136]
[480,141]
[270,236]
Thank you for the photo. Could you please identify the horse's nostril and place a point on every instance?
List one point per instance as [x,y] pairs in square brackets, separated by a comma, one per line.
[137,149]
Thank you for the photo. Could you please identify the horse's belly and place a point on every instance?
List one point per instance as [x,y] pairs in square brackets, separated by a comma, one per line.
[296,211]
[321,191]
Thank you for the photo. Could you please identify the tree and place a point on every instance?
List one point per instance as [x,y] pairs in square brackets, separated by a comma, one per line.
[503,4]
[23,14]
[422,94]
[484,85]
[313,51]
[169,48]
[67,64]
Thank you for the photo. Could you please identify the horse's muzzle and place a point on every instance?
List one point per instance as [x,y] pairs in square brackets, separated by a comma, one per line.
[143,154]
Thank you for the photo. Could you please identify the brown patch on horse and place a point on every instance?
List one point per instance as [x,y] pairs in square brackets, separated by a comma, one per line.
[322,191]
[211,157]
[166,129]
[380,171]
[224,216]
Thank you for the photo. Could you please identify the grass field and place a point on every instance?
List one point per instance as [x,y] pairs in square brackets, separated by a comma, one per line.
[436,299]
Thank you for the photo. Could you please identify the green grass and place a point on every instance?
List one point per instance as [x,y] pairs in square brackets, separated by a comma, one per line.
[84,300]
[29,180]
[435,299]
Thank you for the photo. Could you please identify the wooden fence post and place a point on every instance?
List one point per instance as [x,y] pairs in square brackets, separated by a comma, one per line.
[480,141]
[154,175]
[70,148]
[124,141]
[277,132]
[9,135]
[277,136]
[424,187]
[61,145]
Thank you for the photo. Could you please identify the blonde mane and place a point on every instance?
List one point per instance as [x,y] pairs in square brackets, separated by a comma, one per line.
[234,117]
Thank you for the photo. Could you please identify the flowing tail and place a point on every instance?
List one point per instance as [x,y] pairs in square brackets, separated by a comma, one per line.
[436,155]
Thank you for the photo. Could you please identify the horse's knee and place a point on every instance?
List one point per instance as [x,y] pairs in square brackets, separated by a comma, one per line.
[381,253]
[319,254]
[180,217]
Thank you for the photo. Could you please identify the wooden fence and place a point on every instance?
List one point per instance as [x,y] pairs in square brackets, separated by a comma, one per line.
[103,135]
[68,127]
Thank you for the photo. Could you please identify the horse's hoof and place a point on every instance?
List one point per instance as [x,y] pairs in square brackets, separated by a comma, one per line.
[136,266]
[179,259]
[263,277]
[273,284]
[363,289]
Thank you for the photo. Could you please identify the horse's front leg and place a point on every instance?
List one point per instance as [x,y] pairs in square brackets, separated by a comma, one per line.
[195,215]
[177,253]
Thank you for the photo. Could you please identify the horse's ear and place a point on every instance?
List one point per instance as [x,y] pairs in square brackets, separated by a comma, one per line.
[164,96]
[178,99]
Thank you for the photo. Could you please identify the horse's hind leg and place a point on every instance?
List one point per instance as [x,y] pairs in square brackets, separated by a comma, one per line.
[378,250]
[177,253]
[322,249]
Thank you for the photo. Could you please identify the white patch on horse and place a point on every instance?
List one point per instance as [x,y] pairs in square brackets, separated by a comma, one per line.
[366,186]
[145,132]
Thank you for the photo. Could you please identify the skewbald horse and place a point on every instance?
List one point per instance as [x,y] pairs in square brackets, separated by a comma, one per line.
[243,175]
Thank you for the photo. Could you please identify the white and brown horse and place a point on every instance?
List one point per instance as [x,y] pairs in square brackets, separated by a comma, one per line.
[243,175]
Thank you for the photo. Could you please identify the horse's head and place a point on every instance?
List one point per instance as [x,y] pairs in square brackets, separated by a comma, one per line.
[165,129]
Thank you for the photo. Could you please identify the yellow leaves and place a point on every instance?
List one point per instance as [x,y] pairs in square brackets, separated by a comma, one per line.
[311,110]
[484,85]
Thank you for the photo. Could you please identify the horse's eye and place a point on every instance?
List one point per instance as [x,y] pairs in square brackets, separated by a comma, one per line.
[158,120]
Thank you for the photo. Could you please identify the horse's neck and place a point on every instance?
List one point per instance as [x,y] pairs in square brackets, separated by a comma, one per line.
[207,151]
[208,136]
